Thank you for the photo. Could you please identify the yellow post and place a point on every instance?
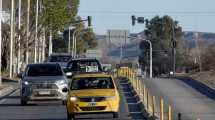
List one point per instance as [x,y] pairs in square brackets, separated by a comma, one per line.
[153,106]
[144,93]
[147,98]
[170,113]
[161,109]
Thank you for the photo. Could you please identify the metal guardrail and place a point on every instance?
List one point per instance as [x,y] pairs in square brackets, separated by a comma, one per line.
[148,100]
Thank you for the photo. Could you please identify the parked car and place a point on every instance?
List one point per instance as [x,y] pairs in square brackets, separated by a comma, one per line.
[92,93]
[83,65]
[43,82]
[61,59]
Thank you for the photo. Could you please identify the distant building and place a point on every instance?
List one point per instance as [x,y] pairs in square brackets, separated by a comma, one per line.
[117,38]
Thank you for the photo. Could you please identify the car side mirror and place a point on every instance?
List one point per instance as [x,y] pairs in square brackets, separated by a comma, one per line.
[19,75]
[65,90]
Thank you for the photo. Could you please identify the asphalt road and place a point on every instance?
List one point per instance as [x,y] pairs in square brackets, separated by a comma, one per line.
[10,109]
[191,99]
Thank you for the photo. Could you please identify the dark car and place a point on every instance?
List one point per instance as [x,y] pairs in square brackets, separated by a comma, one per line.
[61,59]
[83,65]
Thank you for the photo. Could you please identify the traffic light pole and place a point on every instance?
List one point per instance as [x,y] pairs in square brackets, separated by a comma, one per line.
[150,48]
[173,47]
[0,37]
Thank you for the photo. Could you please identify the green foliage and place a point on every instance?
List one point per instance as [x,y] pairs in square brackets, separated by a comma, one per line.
[58,13]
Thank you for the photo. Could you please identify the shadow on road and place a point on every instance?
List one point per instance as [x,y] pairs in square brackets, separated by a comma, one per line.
[198,86]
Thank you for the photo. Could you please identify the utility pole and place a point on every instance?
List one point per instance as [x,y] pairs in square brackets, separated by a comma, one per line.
[173,47]
[19,38]
[142,20]
[36,33]
[50,42]
[74,42]
[11,37]
[0,37]
[28,34]
[69,42]
[43,44]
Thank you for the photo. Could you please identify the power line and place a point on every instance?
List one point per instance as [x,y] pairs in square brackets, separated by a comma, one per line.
[152,12]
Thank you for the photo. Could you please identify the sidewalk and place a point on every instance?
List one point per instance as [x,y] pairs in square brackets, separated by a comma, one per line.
[8,86]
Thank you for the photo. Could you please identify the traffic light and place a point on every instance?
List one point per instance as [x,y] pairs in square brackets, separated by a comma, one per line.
[133,18]
[89,19]
[141,20]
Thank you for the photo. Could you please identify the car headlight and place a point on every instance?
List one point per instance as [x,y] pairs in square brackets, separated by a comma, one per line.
[110,97]
[61,82]
[26,83]
[73,99]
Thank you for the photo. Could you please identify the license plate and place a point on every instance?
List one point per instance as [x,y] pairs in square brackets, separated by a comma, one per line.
[92,104]
[44,92]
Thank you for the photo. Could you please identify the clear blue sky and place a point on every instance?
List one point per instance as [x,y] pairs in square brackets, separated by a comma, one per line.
[195,15]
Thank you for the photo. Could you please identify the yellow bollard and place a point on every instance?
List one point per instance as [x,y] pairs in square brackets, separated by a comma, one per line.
[161,109]
[144,93]
[147,99]
[153,106]
[170,113]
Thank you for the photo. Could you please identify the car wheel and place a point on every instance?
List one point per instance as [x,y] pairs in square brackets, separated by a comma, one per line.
[64,102]
[70,116]
[23,102]
[116,115]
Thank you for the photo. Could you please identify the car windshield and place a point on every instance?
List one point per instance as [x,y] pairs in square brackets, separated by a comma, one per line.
[44,70]
[92,83]
[85,66]
[60,58]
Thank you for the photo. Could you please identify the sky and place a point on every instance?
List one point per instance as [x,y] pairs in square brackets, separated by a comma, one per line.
[193,15]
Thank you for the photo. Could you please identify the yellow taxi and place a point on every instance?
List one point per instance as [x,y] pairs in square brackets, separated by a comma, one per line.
[92,93]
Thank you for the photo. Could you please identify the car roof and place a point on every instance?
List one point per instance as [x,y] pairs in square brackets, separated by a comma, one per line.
[75,59]
[60,54]
[41,64]
[94,74]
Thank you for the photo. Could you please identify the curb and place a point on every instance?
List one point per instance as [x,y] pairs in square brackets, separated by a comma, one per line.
[6,91]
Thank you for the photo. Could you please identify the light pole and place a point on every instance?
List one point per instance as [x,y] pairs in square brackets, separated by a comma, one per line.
[27,30]
[11,37]
[36,33]
[0,37]
[19,38]
[142,20]
[74,43]
[69,41]
[150,49]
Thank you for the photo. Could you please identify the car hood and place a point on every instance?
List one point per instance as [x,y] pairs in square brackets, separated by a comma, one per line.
[93,92]
[44,78]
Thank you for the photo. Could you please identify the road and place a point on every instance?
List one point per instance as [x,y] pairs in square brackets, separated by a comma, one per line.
[186,96]
[10,109]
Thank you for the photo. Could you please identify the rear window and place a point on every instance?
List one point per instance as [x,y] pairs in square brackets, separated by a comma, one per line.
[92,83]
[85,66]
[44,70]
[59,58]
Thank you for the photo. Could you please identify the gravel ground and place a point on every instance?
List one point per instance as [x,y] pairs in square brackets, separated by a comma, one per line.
[206,77]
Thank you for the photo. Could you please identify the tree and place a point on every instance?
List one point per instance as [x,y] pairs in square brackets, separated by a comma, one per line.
[159,31]
[54,15]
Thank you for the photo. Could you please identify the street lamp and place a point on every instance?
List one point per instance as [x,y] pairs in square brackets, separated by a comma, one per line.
[0,37]
[69,42]
[143,20]
[150,49]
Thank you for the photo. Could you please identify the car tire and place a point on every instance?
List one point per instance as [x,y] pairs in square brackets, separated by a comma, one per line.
[70,116]
[23,102]
[64,102]
[115,115]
